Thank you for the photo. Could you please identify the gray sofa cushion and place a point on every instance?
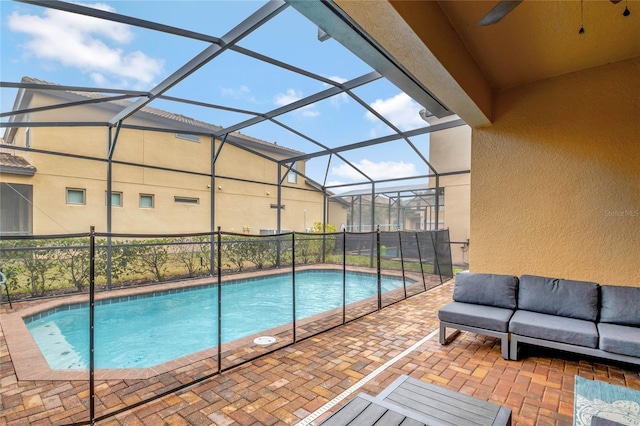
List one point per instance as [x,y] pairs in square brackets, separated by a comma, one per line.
[572,299]
[619,339]
[620,305]
[487,317]
[486,289]
[555,328]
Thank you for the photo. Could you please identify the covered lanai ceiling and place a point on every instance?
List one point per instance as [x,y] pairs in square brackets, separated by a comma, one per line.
[283,58]
[464,64]
[542,39]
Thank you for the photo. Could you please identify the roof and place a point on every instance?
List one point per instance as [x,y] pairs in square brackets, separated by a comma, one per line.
[15,165]
[423,189]
[197,125]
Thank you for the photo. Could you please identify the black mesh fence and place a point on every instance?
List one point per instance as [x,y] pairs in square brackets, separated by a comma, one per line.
[128,312]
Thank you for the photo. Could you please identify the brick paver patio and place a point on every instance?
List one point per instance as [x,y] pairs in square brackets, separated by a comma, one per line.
[285,387]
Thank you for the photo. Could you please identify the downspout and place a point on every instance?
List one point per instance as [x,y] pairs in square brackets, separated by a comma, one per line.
[324,225]
[278,214]
[373,204]
[377,234]
[214,158]
[399,201]
[437,212]
[111,150]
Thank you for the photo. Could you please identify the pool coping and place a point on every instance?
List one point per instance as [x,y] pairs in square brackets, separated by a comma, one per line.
[29,362]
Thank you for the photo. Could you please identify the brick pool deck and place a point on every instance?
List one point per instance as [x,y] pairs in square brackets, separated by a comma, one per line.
[287,386]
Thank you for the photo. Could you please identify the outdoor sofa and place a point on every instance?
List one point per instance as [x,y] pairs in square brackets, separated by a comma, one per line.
[575,316]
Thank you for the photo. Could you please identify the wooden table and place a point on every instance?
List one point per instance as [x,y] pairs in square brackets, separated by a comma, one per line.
[412,402]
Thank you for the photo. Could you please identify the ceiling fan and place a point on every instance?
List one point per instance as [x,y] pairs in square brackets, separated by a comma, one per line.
[505,7]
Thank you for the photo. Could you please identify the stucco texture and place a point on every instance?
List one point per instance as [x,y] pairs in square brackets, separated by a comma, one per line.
[556,179]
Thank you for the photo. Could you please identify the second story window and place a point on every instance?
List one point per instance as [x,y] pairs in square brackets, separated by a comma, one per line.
[186,200]
[27,133]
[146,201]
[185,136]
[76,196]
[292,176]
[116,199]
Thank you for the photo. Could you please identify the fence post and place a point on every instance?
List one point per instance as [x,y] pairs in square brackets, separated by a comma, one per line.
[436,261]
[92,282]
[378,268]
[344,275]
[424,283]
[219,300]
[404,280]
[293,281]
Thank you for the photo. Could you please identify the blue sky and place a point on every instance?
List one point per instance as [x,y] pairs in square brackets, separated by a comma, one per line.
[71,49]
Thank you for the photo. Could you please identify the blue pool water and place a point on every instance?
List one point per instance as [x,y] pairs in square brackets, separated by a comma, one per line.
[147,331]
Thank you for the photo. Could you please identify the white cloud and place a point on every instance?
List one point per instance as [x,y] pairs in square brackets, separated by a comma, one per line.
[292,95]
[242,92]
[337,79]
[341,98]
[86,43]
[400,110]
[235,93]
[377,171]
[98,78]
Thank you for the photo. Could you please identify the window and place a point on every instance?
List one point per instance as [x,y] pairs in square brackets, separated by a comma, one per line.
[186,200]
[16,215]
[116,198]
[75,196]
[146,201]
[27,133]
[192,138]
[292,176]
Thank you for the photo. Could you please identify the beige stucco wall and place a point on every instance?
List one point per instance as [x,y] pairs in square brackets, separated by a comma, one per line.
[245,189]
[450,151]
[556,179]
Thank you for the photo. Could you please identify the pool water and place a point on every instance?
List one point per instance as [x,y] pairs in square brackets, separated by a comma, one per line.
[148,331]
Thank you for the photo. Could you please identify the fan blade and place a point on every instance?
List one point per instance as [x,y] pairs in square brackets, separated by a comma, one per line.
[615,1]
[499,11]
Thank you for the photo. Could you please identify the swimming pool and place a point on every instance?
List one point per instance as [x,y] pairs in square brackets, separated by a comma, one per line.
[152,328]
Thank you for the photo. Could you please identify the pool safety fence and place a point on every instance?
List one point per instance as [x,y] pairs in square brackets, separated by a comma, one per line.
[368,271]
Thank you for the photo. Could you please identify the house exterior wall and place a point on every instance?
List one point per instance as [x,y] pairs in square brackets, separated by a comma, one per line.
[245,187]
[554,163]
[450,151]
[338,214]
[556,184]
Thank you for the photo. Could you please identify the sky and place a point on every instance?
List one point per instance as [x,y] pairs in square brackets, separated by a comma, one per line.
[72,49]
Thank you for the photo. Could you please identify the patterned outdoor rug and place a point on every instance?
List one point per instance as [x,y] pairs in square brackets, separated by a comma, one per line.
[593,398]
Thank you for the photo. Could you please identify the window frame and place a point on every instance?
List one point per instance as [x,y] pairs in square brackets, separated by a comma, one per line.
[80,190]
[153,201]
[16,201]
[106,194]
[292,176]
[188,137]
[179,199]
